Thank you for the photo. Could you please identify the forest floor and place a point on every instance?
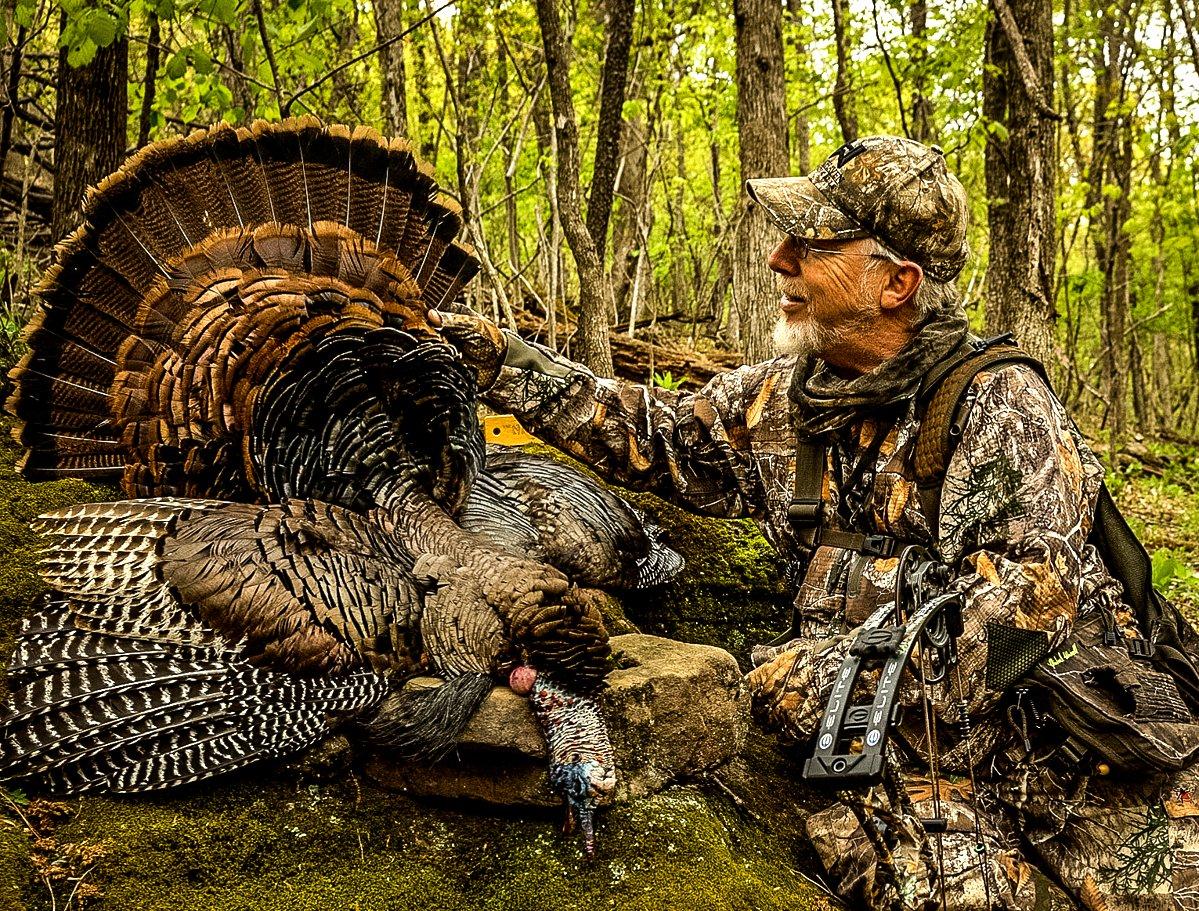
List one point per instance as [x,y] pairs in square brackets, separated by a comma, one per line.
[1160,498]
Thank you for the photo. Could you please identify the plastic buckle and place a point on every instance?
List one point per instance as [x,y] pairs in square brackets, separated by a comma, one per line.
[1139,648]
[878,545]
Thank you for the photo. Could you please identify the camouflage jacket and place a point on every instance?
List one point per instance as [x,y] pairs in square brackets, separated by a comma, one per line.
[1016,506]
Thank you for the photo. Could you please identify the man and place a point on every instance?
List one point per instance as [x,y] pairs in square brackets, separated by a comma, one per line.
[872,243]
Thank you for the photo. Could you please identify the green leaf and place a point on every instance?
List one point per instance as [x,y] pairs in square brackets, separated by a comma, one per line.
[101,28]
[24,12]
[177,65]
[1168,568]
[83,53]
[223,11]
[201,61]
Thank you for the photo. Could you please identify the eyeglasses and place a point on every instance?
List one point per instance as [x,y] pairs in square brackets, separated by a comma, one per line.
[803,250]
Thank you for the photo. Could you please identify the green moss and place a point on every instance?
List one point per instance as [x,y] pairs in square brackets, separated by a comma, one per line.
[20,503]
[250,845]
[16,868]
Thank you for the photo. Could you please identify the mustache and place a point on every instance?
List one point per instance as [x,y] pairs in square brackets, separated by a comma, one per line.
[789,287]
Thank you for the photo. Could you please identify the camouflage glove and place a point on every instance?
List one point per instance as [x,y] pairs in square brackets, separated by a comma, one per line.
[486,347]
[790,690]
[482,343]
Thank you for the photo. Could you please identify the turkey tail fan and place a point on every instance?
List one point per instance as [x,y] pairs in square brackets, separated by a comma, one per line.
[425,723]
[198,266]
[123,714]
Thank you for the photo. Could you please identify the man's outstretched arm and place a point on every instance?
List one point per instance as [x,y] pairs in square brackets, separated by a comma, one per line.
[689,447]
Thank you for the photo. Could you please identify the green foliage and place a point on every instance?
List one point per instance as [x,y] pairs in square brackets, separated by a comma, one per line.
[1170,568]
[89,27]
[665,380]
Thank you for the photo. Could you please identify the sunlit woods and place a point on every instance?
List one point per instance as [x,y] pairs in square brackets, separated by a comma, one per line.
[469,85]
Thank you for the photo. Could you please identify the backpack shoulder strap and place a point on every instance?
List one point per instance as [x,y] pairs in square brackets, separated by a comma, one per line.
[940,404]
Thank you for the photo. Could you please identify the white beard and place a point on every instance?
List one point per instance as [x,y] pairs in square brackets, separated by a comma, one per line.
[802,337]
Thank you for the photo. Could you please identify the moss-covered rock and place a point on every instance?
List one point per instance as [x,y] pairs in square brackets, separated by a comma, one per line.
[20,503]
[250,845]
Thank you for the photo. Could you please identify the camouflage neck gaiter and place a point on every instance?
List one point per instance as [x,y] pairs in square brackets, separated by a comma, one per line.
[827,402]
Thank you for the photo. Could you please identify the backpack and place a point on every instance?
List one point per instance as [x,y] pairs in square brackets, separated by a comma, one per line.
[1131,702]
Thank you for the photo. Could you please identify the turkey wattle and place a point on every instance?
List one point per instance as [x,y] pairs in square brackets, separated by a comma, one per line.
[242,317]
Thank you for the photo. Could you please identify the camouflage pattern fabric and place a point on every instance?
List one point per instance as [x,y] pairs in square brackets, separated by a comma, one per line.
[887,187]
[1015,513]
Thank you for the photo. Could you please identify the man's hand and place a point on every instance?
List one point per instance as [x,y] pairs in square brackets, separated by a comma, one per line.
[480,341]
[790,690]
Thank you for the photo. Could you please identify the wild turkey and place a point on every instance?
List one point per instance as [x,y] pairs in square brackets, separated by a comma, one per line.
[243,316]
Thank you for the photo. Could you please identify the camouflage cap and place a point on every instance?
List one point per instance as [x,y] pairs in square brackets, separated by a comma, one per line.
[896,190]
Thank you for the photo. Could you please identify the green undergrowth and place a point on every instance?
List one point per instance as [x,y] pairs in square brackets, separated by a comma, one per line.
[1161,502]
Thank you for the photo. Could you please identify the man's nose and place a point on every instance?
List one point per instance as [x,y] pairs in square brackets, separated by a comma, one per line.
[782,258]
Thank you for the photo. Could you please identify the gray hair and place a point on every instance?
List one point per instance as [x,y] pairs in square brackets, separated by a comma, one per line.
[931,297]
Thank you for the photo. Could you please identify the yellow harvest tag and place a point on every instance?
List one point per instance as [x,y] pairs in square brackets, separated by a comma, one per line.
[505,430]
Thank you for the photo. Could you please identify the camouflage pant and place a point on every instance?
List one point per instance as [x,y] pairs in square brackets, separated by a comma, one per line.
[1110,844]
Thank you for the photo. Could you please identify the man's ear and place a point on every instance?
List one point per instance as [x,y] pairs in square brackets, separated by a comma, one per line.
[901,287]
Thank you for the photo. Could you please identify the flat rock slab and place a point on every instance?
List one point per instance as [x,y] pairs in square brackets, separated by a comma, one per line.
[673,710]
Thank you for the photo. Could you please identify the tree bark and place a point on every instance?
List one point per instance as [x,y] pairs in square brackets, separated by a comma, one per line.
[89,128]
[595,286]
[802,148]
[1021,169]
[389,21]
[153,52]
[12,81]
[762,128]
[920,117]
[843,94]
[607,144]
[236,80]
[631,209]
[1109,180]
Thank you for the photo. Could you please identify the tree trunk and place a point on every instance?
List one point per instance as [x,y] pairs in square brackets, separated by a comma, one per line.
[802,148]
[843,95]
[762,129]
[389,22]
[240,87]
[620,15]
[421,82]
[1109,180]
[631,191]
[1021,170]
[595,286]
[920,115]
[89,128]
[153,51]
[12,82]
